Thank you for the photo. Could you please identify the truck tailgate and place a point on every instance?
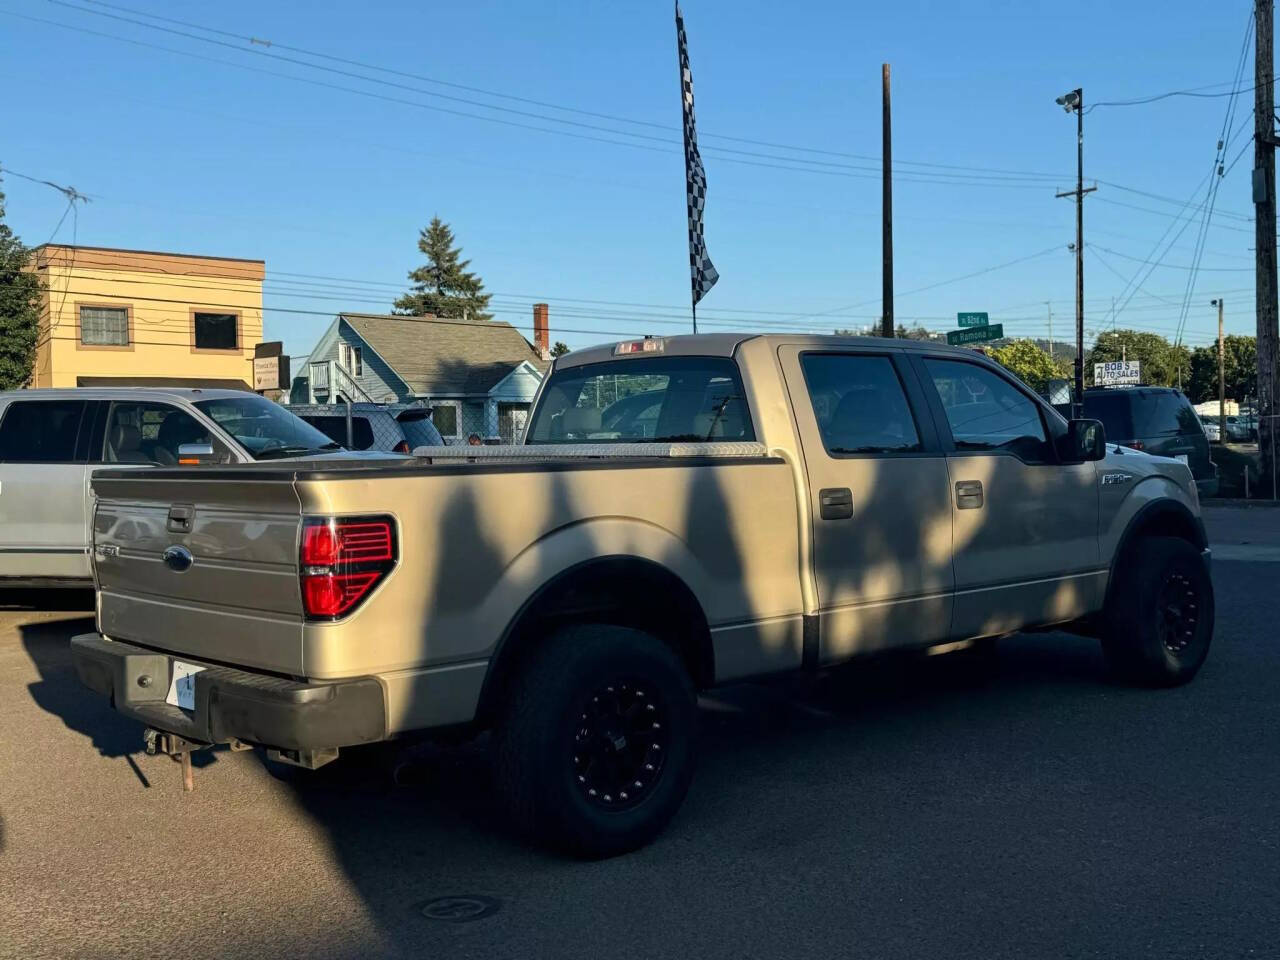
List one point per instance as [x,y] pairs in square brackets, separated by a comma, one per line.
[204,566]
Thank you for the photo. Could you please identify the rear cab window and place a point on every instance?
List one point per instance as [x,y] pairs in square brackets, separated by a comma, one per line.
[659,399]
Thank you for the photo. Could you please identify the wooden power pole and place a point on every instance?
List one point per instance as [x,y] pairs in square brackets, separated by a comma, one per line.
[886,212]
[1264,201]
[1222,376]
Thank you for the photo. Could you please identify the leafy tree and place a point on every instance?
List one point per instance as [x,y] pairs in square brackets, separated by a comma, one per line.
[1029,362]
[1240,369]
[1163,364]
[559,349]
[914,332]
[443,287]
[20,291]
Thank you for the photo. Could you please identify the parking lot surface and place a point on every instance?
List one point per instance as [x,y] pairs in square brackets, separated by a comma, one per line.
[950,806]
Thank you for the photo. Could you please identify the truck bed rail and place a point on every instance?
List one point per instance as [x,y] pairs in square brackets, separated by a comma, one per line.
[587,451]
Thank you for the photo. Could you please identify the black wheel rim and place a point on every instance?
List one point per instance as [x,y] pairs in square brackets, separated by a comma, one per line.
[620,744]
[1177,612]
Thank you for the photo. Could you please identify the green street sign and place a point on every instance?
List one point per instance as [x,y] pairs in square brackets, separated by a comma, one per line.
[972,319]
[976,334]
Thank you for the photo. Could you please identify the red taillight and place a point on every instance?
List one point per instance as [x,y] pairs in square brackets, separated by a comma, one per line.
[401,447]
[342,559]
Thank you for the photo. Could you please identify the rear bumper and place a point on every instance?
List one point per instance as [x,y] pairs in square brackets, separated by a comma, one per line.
[233,704]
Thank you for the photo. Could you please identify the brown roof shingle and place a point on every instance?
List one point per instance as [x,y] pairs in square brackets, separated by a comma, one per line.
[435,356]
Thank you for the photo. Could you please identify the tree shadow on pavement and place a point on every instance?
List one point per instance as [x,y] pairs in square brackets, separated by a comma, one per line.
[428,823]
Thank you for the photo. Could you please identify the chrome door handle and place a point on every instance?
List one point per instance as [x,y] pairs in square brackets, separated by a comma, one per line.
[968,494]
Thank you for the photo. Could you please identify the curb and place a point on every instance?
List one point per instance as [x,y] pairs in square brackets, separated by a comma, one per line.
[1239,504]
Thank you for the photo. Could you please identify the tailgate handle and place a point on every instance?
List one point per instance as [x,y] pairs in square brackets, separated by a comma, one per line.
[180,517]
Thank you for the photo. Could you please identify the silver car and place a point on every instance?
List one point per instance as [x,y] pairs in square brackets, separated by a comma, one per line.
[52,440]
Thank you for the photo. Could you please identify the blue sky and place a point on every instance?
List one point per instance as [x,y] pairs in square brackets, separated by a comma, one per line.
[190,155]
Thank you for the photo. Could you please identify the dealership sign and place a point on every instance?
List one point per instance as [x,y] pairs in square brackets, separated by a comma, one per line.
[1118,373]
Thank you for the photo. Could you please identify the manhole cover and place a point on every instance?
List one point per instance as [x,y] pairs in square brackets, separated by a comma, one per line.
[461,909]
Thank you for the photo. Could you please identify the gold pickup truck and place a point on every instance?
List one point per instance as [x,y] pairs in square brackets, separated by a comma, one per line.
[683,512]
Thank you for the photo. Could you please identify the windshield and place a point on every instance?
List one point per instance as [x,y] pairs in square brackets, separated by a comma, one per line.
[650,400]
[265,429]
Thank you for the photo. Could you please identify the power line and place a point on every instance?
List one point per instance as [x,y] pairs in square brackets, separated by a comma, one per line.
[1224,140]
[768,160]
[273,44]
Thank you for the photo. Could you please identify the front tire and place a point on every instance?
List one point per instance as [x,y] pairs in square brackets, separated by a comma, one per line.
[594,750]
[1160,616]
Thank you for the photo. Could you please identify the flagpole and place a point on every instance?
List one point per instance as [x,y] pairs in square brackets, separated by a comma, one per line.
[702,273]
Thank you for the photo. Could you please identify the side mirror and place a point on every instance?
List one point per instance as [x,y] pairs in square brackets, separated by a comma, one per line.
[1084,440]
[195,454]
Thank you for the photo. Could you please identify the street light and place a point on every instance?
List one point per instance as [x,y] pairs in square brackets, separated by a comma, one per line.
[1074,101]
[1222,389]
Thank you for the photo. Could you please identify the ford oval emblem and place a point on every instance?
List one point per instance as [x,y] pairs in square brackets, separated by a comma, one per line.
[178,559]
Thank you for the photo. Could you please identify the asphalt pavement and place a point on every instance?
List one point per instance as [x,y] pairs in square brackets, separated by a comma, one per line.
[1022,806]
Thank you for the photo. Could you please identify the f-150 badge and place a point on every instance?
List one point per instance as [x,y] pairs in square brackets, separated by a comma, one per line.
[1110,478]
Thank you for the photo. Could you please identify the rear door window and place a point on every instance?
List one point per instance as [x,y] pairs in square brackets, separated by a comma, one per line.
[41,431]
[859,404]
[644,400]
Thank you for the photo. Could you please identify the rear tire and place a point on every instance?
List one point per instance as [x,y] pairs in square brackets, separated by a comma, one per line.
[1160,617]
[594,748]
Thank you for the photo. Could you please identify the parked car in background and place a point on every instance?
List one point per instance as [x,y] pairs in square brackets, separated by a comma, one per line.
[1242,428]
[52,440]
[374,426]
[1212,430]
[1155,420]
[790,503]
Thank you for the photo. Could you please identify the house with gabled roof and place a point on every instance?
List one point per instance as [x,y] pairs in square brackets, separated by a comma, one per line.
[477,376]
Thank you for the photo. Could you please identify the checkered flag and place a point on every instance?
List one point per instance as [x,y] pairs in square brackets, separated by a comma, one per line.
[702,274]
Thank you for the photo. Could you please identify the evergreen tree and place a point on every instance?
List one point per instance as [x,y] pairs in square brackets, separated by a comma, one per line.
[19,309]
[443,287]
[559,349]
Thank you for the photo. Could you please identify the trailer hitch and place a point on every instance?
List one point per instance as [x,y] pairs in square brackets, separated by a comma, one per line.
[179,748]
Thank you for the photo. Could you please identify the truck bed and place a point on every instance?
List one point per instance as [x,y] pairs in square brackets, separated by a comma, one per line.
[480,531]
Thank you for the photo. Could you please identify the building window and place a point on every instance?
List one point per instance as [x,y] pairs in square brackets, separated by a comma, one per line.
[351,359]
[444,415]
[216,331]
[104,326]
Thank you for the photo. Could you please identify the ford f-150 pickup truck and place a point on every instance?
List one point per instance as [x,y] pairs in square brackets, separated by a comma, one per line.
[682,512]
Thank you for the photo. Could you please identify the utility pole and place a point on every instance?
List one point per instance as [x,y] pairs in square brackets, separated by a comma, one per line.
[1069,102]
[1222,377]
[886,211]
[1048,305]
[1264,201]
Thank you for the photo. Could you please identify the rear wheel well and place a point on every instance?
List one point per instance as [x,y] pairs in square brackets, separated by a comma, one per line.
[624,591]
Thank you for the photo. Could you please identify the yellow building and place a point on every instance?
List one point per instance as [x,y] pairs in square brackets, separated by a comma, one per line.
[131,317]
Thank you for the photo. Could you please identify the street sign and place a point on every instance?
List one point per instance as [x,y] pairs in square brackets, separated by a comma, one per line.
[1117,373]
[972,319]
[993,331]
